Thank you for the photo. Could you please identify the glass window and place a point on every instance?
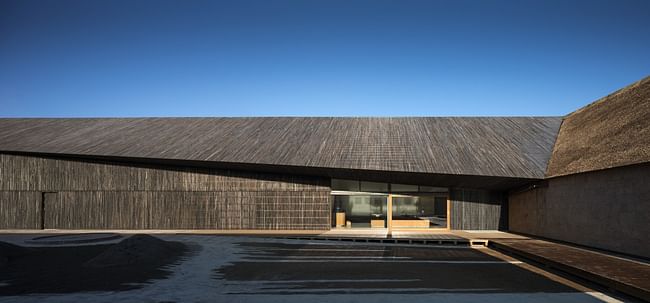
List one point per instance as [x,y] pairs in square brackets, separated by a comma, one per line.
[359,211]
[405,207]
[432,189]
[420,211]
[340,184]
[374,187]
[403,188]
[440,206]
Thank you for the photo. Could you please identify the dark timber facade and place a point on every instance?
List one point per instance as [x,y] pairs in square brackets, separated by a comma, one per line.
[44,192]
[72,194]
[534,175]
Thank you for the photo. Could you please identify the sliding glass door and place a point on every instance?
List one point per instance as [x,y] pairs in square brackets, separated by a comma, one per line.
[359,210]
[365,204]
[419,211]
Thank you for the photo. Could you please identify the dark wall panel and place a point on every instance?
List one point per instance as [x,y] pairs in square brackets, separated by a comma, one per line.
[89,195]
[475,209]
[607,209]
[45,174]
[20,210]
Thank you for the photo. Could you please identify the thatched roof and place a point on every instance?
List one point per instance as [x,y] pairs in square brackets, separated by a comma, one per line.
[613,131]
[506,147]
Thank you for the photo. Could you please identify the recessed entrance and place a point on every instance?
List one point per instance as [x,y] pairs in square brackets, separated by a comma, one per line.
[360,210]
[392,206]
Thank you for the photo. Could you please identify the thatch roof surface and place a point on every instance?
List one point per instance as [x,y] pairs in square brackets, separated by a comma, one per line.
[613,131]
[495,146]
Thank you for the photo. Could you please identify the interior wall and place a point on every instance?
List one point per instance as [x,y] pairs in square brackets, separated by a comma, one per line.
[70,194]
[607,209]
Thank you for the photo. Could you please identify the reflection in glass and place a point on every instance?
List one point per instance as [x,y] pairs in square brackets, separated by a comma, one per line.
[432,189]
[403,188]
[420,211]
[359,211]
[374,187]
[340,184]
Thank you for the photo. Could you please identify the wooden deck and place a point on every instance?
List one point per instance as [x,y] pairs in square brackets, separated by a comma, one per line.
[627,276]
[335,232]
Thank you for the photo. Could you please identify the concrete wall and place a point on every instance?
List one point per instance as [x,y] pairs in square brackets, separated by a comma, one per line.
[607,209]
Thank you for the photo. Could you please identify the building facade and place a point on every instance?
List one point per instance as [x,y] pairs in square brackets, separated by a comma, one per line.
[576,178]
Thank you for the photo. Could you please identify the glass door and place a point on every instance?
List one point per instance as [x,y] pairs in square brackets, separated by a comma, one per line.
[359,210]
[419,211]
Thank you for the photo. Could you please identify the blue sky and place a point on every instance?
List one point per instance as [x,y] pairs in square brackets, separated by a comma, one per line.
[316,58]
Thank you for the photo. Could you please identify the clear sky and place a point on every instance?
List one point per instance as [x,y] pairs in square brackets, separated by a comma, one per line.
[316,58]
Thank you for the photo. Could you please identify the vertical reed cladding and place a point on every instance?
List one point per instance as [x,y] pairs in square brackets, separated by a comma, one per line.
[476,209]
[83,194]
[20,210]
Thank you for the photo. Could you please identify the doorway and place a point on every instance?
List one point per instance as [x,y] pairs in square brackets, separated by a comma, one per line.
[366,204]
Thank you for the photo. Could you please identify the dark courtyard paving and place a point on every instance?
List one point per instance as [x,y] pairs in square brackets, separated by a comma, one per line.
[276,268]
[256,269]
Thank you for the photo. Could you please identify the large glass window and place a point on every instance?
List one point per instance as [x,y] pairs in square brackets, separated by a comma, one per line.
[358,203]
[359,211]
[419,211]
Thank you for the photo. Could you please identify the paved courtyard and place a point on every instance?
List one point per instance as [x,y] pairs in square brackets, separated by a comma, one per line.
[250,269]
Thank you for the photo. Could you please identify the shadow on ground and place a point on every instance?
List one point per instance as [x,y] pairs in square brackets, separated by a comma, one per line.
[129,264]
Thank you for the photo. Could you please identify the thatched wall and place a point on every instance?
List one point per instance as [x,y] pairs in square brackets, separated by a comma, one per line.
[613,131]
[77,194]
